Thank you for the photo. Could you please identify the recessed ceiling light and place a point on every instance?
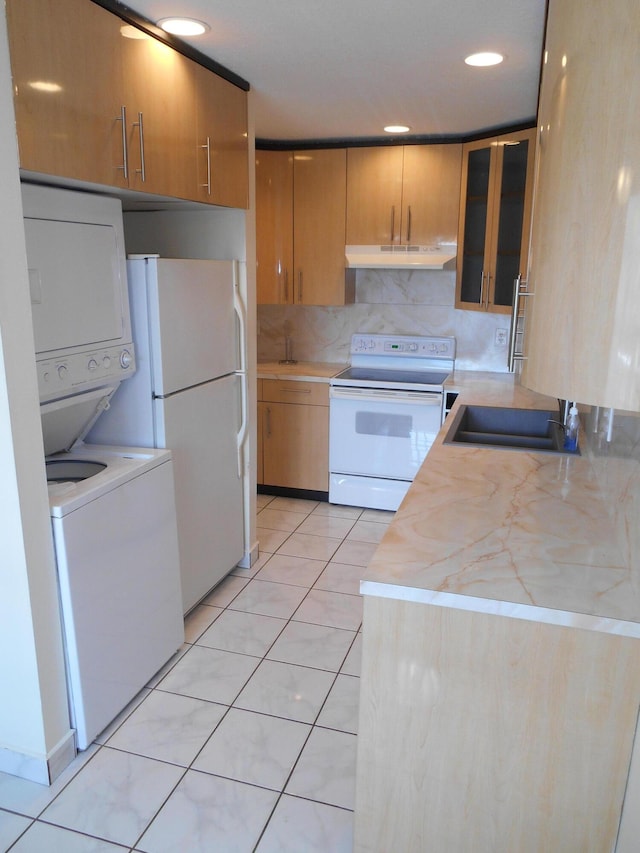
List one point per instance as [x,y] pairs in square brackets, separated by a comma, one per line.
[484,59]
[397,128]
[183,26]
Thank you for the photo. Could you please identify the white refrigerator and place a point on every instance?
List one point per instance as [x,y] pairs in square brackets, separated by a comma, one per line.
[189,395]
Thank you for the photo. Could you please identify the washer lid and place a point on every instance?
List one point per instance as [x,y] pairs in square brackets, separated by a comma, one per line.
[66,421]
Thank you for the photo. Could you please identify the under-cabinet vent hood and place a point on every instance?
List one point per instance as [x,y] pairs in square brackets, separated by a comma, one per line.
[441,257]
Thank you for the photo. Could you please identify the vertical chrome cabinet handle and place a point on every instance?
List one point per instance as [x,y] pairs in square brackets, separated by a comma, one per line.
[286,285]
[141,171]
[268,424]
[481,302]
[392,223]
[515,308]
[486,303]
[518,293]
[207,147]
[125,158]
[408,223]
[300,286]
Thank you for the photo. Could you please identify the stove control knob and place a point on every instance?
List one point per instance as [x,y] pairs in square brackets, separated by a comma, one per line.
[106,362]
[125,359]
[413,347]
[92,365]
[62,371]
[433,348]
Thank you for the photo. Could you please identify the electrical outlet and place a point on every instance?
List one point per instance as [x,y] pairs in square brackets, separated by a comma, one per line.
[501,337]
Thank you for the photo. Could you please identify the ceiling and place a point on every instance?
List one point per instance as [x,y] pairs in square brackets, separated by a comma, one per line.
[339,69]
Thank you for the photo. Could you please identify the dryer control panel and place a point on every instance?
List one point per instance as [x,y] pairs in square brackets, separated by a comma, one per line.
[60,377]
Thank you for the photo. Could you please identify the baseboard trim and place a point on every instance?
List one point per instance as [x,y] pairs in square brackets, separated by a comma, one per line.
[284,492]
[41,769]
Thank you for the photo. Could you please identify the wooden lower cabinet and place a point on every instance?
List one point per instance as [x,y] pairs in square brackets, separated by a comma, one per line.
[480,732]
[293,435]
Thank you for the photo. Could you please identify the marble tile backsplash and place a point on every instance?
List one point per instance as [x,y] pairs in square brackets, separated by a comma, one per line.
[419,302]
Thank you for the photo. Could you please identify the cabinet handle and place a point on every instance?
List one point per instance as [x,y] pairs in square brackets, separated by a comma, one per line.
[300,286]
[207,148]
[393,222]
[486,304]
[481,303]
[408,223]
[518,284]
[268,423]
[125,165]
[295,390]
[286,285]
[140,127]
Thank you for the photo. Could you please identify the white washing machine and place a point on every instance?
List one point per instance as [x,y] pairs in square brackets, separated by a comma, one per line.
[114,528]
[112,509]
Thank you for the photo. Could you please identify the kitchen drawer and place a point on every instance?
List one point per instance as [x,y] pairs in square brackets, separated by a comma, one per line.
[293,391]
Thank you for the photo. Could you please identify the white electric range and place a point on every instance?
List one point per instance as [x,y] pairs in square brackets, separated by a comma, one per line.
[385,411]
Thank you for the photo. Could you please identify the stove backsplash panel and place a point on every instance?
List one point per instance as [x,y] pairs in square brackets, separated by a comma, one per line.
[387,302]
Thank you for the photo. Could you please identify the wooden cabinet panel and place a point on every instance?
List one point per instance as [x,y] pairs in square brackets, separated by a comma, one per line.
[296,442]
[300,228]
[496,196]
[274,226]
[374,195]
[67,75]
[431,193]
[293,434]
[158,93]
[100,101]
[403,194]
[581,338]
[260,443]
[293,391]
[222,142]
[514,724]
[319,204]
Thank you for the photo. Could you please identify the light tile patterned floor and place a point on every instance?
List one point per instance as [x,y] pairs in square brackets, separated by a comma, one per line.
[246,740]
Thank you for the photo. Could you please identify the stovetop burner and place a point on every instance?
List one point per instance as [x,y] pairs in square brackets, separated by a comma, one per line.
[382,377]
[398,361]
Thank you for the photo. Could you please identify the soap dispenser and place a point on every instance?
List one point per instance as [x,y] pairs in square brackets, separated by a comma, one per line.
[571,430]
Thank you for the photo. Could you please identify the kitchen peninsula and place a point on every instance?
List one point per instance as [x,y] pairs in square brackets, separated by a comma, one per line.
[500,682]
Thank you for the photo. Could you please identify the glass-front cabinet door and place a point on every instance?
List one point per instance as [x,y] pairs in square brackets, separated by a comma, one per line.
[495,217]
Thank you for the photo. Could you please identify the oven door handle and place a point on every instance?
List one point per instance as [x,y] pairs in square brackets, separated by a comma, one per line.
[380,395]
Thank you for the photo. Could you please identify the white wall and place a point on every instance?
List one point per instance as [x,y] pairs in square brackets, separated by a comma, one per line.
[34,720]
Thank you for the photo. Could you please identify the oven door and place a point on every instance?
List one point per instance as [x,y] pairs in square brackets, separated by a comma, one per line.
[381,433]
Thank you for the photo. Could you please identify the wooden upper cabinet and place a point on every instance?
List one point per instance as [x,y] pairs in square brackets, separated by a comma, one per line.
[403,194]
[160,116]
[67,76]
[222,140]
[374,195]
[300,228]
[496,197]
[431,193]
[274,227]
[100,101]
[581,338]
[319,195]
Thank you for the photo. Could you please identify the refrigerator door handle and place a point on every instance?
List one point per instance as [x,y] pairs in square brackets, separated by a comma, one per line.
[242,321]
[242,371]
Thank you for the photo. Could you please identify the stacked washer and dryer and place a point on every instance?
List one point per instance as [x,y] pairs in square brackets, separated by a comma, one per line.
[113,513]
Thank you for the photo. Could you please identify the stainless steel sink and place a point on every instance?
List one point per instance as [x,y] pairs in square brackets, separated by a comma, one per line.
[514,429]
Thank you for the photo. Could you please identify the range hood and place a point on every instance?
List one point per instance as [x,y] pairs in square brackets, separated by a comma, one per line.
[440,257]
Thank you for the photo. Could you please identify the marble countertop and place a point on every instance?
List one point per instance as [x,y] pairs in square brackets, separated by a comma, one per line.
[309,371]
[515,533]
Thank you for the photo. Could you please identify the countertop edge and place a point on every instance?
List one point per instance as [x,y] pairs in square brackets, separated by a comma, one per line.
[495,607]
